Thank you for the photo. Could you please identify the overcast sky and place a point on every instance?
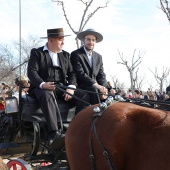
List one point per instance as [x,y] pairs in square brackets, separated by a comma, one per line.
[125,25]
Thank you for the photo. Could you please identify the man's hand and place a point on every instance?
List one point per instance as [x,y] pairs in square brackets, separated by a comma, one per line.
[113,91]
[48,86]
[103,90]
[67,97]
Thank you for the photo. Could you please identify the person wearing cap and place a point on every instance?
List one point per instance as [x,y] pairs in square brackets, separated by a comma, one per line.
[88,65]
[48,66]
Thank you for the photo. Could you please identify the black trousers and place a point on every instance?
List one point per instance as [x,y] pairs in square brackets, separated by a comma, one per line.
[94,97]
[49,108]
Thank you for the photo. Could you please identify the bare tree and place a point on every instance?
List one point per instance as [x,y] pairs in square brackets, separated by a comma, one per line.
[116,83]
[7,62]
[162,78]
[120,86]
[165,8]
[10,59]
[86,16]
[26,46]
[135,77]
[138,81]
[151,86]
[132,66]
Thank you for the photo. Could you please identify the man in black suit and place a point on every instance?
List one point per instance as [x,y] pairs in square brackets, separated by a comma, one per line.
[50,65]
[88,65]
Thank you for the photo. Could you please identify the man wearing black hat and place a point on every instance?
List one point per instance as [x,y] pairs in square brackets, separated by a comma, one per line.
[88,65]
[47,66]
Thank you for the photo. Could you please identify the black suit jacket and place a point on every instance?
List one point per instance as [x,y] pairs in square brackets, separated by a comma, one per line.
[87,76]
[39,66]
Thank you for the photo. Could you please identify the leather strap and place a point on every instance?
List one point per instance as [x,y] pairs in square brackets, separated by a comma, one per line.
[96,116]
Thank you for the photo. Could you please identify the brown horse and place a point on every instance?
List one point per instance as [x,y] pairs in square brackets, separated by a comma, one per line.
[135,137]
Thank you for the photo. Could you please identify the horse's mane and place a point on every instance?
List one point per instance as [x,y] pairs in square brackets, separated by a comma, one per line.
[144,115]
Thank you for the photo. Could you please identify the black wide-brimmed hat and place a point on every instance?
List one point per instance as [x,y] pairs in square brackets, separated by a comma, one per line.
[54,33]
[82,34]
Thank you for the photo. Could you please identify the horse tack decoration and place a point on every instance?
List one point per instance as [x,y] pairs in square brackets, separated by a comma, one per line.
[98,112]
[135,138]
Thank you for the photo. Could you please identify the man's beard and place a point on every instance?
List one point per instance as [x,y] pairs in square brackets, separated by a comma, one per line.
[88,49]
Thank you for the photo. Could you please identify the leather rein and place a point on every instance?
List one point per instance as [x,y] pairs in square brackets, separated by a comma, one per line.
[62,88]
[97,115]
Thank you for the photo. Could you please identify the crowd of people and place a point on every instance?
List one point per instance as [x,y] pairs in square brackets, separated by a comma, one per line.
[139,94]
[9,91]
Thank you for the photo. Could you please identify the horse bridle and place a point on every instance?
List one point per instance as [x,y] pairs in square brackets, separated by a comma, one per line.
[98,113]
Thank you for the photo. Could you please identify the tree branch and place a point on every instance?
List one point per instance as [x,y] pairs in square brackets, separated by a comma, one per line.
[92,14]
[84,14]
[166,9]
[67,20]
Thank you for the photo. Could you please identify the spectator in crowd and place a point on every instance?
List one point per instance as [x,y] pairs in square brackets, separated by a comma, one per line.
[167,89]
[113,92]
[5,86]
[109,85]
[141,94]
[157,95]
[164,96]
[145,96]
[123,93]
[168,96]
[129,94]
[150,94]
[23,83]
[137,94]
[4,93]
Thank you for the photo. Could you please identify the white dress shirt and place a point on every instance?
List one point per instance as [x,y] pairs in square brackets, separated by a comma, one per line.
[54,56]
[55,60]
[89,55]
